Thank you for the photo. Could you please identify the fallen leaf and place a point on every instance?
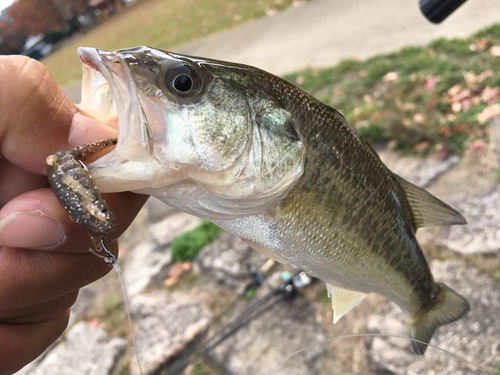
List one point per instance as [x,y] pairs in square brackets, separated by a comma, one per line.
[421,146]
[175,270]
[444,131]
[408,106]
[470,78]
[443,153]
[398,102]
[456,107]
[231,8]
[477,145]
[391,77]
[457,97]
[392,144]
[430,82]
[271,12]
[481,44]
[464,94]
[495,51]
[490,95]
[419,118]
[431,103]
[459,128]
[171,281]
[454,90]
[484,75]
[467,103]
[489,113]
[94,322]
[187,266]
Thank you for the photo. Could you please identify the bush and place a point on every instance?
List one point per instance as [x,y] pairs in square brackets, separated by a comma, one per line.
[187,245]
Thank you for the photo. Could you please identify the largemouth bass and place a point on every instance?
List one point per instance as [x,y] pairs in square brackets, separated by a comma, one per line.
[274,166]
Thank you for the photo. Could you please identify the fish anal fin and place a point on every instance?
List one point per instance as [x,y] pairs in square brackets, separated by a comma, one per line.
[428,211]
[450,306]
[343,300]
[266,252]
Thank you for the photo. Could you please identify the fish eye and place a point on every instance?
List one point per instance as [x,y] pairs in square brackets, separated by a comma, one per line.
[182,81]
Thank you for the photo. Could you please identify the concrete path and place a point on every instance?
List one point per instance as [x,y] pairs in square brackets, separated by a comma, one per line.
[320,33]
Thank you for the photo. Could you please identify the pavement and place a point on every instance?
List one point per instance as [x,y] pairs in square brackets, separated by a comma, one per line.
[320,33]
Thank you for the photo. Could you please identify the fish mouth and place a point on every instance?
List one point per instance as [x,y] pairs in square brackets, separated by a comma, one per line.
[110,95]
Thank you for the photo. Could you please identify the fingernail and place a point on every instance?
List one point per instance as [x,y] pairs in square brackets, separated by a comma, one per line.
[30,230]
[86,129]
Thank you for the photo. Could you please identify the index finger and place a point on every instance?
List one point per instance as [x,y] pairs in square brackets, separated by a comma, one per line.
[36,117]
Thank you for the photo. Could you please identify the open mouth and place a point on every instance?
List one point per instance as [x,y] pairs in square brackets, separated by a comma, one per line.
[110,95]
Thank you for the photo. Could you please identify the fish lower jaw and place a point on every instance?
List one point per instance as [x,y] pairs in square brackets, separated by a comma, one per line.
[132,176]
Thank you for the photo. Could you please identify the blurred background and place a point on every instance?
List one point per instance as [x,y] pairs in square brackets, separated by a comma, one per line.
[426,96]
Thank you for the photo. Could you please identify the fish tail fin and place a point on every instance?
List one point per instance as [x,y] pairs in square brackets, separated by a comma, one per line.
[450,306]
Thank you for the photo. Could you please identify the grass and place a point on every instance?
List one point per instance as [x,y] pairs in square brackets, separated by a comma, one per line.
[162,24]
[423,99]
[187,245]
[202,367]
[497,372]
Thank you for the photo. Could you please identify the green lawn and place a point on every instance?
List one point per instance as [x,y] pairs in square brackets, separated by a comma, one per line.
[162,24]
[421,99]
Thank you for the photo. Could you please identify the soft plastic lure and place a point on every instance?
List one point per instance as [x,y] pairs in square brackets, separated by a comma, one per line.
[76,190]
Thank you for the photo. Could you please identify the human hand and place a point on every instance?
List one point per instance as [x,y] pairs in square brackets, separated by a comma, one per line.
[44,257]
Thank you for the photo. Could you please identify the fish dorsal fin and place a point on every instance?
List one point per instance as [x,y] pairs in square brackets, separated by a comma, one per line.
[343,300]
[428,211]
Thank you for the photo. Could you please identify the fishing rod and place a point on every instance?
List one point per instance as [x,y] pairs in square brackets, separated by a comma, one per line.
[437,10]
[287,291]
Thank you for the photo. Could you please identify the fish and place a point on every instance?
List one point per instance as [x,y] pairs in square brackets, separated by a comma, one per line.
[271,164]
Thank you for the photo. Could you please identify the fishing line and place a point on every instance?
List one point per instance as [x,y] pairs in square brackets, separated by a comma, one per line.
[118,270]
[383,336]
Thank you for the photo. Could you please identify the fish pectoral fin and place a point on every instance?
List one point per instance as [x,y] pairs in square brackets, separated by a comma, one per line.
[266,252]
[343,300]
[429,211]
